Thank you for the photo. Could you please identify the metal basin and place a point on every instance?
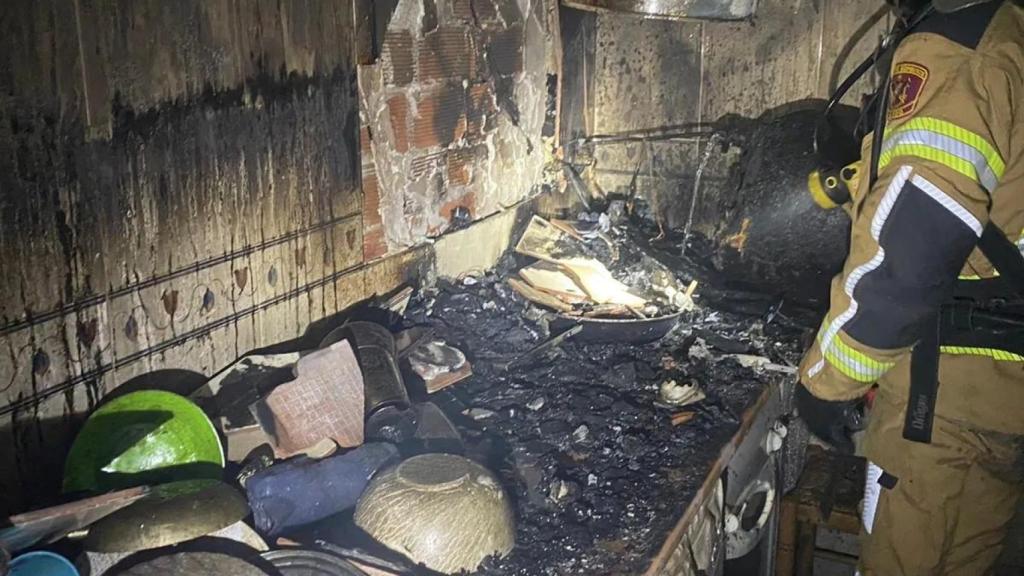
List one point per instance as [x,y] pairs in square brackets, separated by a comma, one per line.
[673,9]
[607,330]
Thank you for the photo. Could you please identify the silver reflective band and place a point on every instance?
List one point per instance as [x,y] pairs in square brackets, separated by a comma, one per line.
[966,159]
[872,492]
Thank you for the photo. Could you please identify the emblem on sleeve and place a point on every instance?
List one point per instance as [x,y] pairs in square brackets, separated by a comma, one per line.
[906,86]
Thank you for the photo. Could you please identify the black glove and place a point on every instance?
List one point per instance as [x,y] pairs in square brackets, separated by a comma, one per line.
[832,422]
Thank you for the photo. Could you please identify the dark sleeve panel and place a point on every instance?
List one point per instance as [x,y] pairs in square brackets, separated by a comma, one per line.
[925,248]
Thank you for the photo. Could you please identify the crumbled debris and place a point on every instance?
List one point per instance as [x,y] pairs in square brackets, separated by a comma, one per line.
[698,351]
[479,413]
[587,267]
[675,394]
[576,434]
[580,434]
[431,359]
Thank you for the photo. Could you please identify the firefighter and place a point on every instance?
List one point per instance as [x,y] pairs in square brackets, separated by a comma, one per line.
[930,302]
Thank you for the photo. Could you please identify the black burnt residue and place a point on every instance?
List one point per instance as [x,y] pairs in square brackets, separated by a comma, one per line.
[597,473]
[181,182]
[790,242]
[429,16]
[449,116]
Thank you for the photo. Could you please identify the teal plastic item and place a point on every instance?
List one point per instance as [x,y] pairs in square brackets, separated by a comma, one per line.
[143,438]
[42,564]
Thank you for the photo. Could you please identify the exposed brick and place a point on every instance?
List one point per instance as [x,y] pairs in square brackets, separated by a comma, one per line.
[398,108]
[365,142]
[481,12]
[479,107]
[397,58]
[440,118]
[447,53]
[371,201]
[458,171]
[461,163]
[424,163]
[467,201]
[374,244]
[463,9]
[504,50]
[486,12]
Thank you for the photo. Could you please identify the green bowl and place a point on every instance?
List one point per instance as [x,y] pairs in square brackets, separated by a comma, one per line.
[146,437]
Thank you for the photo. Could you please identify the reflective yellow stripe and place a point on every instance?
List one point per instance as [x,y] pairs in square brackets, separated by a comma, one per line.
[928,153]
[955,132]
[948,144]
[851,362]
[1001,355]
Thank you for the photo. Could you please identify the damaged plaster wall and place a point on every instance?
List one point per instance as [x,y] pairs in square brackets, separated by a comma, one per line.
[458,115]
[180,185]
[655,73]
[181,182]
[648,75]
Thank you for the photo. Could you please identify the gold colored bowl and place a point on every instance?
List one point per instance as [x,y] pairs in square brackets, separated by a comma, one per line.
[444,511]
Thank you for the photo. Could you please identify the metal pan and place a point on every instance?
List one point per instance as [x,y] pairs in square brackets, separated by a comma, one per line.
[628,330]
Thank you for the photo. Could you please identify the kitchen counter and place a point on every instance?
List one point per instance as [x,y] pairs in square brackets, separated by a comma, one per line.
[602,481]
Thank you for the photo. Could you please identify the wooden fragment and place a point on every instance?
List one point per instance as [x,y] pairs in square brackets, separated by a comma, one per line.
[637,312]
[609,310]
[682,418]
[568,228]
[442,381]
[785,558]
[538,296]
[805,548]
[540,240]
[597,281]
[551,278]
[399,301]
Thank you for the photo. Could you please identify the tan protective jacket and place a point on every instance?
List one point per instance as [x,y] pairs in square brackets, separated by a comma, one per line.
[952,160]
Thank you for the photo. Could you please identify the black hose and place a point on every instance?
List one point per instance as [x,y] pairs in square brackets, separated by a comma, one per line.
[882,99]
[882,109]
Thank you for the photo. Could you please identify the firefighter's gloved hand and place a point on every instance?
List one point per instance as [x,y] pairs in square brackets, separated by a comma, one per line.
[833,422]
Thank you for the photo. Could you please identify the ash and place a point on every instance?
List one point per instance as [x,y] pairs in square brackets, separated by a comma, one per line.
[596,470]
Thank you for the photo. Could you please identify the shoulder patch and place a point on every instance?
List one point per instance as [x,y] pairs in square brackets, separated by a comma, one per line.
[905,88]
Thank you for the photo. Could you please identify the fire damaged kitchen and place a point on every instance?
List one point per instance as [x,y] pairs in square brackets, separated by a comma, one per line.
[511,287]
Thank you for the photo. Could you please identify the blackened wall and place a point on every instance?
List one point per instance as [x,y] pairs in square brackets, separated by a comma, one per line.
[179,184]
[184,182]
[655,73]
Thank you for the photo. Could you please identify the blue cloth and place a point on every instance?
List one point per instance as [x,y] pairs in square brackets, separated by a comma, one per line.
[299,492]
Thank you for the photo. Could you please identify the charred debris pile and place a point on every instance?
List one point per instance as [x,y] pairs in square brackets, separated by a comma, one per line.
[554,415]
[598,457]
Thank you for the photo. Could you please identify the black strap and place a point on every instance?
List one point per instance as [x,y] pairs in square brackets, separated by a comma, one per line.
[954,326]
[1005,256]
[924,385]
